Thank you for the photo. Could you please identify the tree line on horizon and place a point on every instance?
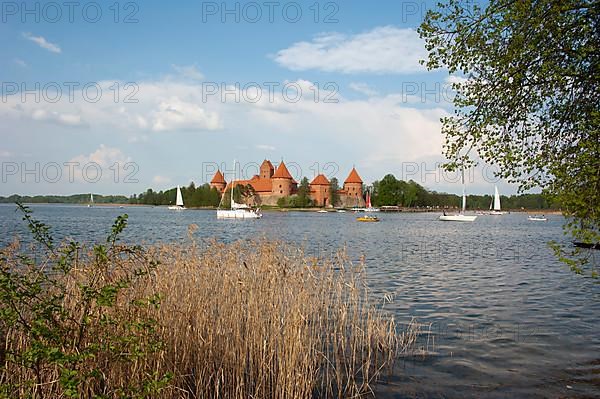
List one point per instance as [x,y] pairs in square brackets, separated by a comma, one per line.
[388,191]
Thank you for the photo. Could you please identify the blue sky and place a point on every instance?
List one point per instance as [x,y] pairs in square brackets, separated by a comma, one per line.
[364,56]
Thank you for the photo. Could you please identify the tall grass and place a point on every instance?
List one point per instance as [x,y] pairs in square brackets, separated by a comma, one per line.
[252,319]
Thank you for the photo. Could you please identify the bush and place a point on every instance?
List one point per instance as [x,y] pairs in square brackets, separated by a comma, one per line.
[73,324]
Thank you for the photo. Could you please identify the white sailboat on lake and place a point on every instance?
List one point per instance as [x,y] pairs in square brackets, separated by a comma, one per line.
[237,211]
[91,204]
[460,217]
[178,201]
[497,209]
[369,207]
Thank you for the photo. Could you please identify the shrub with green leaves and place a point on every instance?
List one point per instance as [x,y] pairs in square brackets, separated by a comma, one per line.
[70,321]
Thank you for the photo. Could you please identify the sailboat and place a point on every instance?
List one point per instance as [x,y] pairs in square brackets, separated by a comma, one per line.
[237,211]
[460,217]
[178,202]
[496,209]
[91,204]
[369,207]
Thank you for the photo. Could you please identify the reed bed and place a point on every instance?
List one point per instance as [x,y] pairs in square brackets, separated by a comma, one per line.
[252,319]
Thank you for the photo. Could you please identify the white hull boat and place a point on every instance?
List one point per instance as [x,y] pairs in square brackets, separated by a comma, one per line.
[461,217]
[238,214]
[458,218]
[537,219]
[237,211]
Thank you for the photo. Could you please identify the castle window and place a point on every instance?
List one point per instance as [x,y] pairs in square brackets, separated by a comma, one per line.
[280,192]
[280,186]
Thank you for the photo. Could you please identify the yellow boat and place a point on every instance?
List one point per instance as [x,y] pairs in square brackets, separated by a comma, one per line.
[367,219]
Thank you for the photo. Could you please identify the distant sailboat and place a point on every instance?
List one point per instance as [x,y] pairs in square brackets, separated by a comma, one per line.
[497,210]
[178,201]
[536,218]
[369,207]
[460,217]
[91,204]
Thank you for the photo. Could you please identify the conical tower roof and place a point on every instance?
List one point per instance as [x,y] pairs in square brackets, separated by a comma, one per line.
[353,177]
[282,172]
[218,178]
[320,180]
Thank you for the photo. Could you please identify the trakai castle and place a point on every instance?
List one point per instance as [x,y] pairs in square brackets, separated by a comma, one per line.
[271,185]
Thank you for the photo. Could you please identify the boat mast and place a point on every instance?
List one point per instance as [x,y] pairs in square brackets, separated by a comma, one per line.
[464,194]
[232,185]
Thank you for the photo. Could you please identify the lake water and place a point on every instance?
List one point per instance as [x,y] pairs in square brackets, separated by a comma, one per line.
[505,318]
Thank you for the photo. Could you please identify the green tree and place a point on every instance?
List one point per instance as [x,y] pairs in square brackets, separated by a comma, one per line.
[334,187]
[388,191]
[530,101]
[303,198]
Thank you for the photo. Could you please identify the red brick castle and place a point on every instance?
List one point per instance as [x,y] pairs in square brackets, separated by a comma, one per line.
[270,185]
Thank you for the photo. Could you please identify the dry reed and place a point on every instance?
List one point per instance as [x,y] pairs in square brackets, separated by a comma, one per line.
[251,319]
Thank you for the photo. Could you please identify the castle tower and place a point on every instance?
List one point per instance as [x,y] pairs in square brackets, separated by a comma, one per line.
[266,169]
[218,182]
[282,181]
[353,189]
[319,191]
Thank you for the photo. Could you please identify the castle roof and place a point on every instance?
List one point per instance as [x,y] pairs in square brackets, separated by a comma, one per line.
[218,178]
[320,180]
[282,172]
[353,177]
[268,163]
[261,185]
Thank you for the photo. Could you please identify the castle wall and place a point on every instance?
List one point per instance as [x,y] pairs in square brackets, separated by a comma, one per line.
[282,187]
[320,194]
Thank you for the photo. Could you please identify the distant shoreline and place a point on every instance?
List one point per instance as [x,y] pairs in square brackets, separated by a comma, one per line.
[314,209]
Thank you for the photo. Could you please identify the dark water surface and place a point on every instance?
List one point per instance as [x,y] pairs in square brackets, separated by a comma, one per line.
[505,318]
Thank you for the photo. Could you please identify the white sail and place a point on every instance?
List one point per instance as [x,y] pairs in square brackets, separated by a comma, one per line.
[496,199]
[179,200]
[91,198]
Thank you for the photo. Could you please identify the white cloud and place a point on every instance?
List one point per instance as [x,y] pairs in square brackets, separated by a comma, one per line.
[265,147]
[385,49]
[160,180]
[162,106]
[378,133]
[363,88]
[20,63]
[43,43]
[99,166]
[64,119]
[103,156]
[175,114]
[188,71]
